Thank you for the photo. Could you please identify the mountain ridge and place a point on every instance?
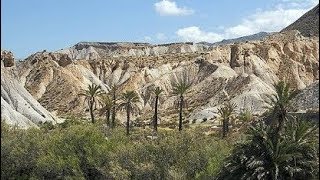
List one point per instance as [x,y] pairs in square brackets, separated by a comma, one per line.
[307,24]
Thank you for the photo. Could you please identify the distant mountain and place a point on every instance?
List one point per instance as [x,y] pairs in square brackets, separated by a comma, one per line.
[252,37]
[96,50]
[308,24]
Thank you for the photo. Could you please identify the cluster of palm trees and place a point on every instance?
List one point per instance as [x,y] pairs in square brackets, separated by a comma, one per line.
[278,147]
[128,101]
[95,95]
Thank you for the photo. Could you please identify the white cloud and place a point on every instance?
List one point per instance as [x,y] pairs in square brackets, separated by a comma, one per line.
[194,33]
[147,38]
[268,20]
[299,3]
[170,8]
[161,36]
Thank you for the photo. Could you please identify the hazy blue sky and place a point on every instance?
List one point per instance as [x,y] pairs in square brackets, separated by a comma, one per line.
[28,26]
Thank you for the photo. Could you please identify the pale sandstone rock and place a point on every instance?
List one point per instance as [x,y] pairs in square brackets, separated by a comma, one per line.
[18,107]
[246,71]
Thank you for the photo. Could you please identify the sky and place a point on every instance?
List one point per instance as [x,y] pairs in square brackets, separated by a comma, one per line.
[29,26]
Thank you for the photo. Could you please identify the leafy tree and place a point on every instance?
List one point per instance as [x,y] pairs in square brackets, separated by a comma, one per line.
[180,87]
[157,92]
[294,156]
[107,103]
[129,100]
[90,95]
[225,112]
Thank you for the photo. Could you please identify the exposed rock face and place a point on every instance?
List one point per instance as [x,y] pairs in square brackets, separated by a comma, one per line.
[308,24]
[244,71]
[18,107]
[308,98]
[7,58]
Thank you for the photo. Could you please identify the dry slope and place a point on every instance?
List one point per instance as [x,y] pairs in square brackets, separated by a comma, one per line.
[18,107]
[244,71]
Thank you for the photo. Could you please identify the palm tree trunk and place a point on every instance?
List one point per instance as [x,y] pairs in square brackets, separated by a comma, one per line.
[227,125]
[128,119]
[108,117]
[91,111]
[180,113]
[281,120]
[224,128]
[113,110]
[155,123]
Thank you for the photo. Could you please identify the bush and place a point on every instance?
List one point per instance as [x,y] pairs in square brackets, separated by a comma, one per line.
[79,150]
[19,152]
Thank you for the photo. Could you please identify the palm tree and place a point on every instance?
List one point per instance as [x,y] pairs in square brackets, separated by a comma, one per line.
[113,91]
[280,103]
[294,156]
[90,96]
[180,86]
[129,100]
[107,103]
[157,92]
[225,112]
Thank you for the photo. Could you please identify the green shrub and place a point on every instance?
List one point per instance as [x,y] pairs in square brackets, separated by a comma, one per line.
[79,150]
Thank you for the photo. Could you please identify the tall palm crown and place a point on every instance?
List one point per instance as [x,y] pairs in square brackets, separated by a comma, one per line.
[280,103]
[128,102]
[181,85]
[129,98]
[227,110]
[158,91]
[90,95]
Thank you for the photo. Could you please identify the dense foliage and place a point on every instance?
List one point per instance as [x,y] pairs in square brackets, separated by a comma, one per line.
[295,155]
[278,146]
[81,151]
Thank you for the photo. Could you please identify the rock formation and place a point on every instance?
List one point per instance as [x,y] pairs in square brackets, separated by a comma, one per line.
[98,50]
[245,71]
[18,107]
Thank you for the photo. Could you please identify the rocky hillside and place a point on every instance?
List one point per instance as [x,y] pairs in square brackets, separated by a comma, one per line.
[243,71]
[18,107]
[308,24]
[98,50]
